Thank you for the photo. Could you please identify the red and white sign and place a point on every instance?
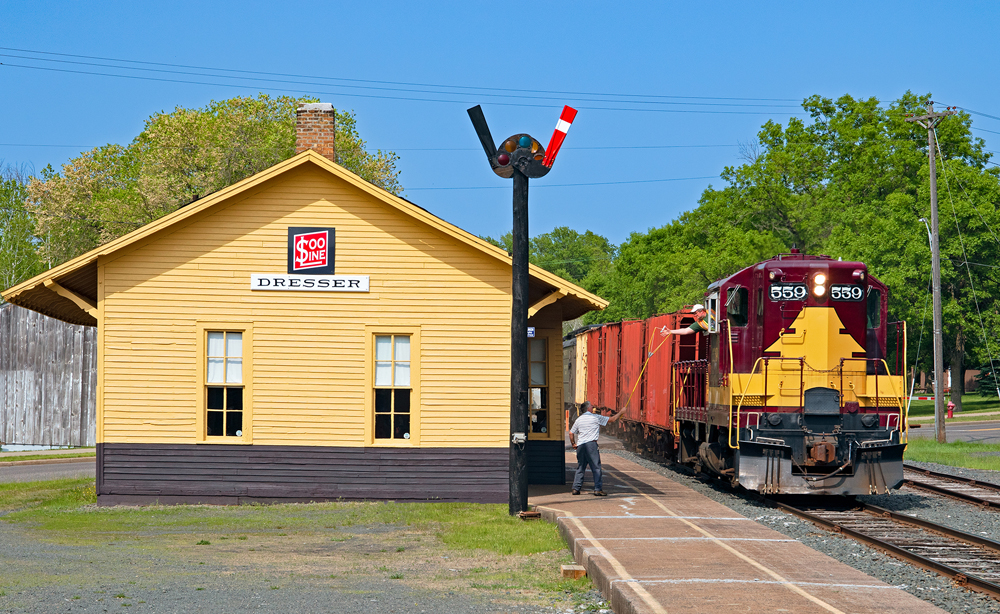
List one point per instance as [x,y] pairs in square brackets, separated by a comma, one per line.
[559,135]
[311,250]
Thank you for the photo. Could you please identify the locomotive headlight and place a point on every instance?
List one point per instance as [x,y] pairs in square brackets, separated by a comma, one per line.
[819,284]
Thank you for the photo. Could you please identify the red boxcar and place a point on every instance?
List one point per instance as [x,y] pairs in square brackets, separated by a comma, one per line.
[610,359]
[633,355]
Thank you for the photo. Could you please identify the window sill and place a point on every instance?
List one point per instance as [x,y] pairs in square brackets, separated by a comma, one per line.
[229,441]
[392,443]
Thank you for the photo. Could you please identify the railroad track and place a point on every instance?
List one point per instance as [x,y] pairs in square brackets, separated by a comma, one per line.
[984,494]
[971,561]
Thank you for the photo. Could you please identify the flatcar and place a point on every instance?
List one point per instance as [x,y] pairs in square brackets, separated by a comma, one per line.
[797,387]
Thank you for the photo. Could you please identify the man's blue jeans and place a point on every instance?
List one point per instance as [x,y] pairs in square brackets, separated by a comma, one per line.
[588,454]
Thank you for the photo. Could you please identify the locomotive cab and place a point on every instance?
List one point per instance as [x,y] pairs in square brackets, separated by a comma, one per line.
[800,397]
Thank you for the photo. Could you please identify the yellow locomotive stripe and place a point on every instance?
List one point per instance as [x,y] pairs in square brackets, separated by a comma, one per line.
[818,338]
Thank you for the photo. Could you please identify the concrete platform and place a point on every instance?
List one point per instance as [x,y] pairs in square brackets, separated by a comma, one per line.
[655,546]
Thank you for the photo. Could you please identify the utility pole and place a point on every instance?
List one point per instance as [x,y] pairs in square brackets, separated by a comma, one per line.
[520,157]
[928,122]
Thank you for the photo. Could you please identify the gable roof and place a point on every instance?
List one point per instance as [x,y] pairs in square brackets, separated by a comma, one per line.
[68,292]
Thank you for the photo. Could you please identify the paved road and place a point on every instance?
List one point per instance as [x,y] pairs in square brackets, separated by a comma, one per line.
[978,432]
[29,473]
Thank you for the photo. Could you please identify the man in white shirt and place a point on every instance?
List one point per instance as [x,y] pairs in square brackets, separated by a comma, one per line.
[583,436]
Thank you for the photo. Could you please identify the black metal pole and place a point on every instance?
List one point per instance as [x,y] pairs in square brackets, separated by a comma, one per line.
[519,348]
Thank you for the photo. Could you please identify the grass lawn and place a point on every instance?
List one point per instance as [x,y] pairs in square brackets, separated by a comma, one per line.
[956,454]
[13,458]
[971,403]
[473,548]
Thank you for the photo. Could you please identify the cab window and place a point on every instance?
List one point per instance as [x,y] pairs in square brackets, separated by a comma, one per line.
[874,307]
[737,306]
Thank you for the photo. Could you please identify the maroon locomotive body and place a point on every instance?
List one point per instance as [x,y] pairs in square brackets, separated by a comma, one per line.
[796,387]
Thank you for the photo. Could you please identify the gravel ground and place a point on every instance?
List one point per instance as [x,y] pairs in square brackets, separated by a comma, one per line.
[164,573]
[925,585]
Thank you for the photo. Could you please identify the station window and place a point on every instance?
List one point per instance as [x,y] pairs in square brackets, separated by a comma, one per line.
[538,391]
[224,384]
[393,388]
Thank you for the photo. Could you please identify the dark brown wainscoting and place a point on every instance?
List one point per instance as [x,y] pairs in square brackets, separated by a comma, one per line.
[227,474]
[546,462]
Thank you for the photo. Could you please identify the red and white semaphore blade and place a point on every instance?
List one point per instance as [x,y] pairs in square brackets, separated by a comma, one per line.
[562,127]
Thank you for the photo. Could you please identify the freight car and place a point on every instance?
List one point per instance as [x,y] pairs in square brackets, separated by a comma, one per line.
[797,387]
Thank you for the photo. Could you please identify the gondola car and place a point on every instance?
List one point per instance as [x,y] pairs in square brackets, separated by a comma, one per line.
[790,391]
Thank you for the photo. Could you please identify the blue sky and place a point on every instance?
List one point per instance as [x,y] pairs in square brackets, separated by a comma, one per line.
[714,72]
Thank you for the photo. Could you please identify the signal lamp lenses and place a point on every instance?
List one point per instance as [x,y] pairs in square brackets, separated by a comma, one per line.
[503,159]
[510,145]
[819,290]
[820,279]
[771,275]
[525,141]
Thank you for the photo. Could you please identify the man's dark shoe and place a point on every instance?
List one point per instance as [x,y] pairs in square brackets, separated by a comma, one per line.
[600,493]
[576,492]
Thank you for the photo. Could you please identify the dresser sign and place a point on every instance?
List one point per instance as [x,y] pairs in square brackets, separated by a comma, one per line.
[309,283]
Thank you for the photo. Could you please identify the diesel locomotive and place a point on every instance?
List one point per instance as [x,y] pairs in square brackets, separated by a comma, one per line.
[796,387]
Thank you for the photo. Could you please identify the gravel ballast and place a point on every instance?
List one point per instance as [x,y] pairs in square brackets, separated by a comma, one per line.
[928,586]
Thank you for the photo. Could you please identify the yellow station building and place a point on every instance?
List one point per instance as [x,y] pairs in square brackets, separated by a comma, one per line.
[305,335]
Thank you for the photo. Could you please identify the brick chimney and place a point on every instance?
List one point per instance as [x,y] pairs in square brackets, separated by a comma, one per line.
[314,129]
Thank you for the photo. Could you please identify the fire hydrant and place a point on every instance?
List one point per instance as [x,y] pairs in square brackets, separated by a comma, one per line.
[951,409]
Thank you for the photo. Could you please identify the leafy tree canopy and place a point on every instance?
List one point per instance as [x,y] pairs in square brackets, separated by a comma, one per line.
[179,157]
[18,257]
[579,258]
[851,182]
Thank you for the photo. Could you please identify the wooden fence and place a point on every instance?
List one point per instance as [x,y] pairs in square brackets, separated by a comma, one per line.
[48,380]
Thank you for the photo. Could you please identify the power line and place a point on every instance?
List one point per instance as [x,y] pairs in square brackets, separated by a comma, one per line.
[382,97]
[407,148]
[392,89]
[978,113]
[568,185]
[466,87]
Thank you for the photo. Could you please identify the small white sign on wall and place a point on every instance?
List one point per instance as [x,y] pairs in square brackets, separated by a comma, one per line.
[309,283]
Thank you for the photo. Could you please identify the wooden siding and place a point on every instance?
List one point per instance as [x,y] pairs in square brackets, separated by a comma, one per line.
[547,461]
[149,473]
[308,351]
[48,380]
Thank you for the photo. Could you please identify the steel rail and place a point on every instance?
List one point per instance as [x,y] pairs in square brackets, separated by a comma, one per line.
[961,577]
[991,490]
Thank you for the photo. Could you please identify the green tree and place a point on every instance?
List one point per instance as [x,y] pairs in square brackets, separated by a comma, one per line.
[180,157]
[853,183]
[18,256]
[565,252]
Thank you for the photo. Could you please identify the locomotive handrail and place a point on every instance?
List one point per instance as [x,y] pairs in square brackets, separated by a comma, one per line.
[743,396]
[903,426]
